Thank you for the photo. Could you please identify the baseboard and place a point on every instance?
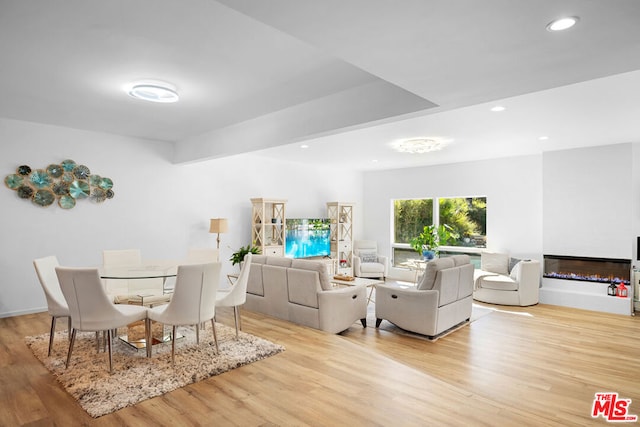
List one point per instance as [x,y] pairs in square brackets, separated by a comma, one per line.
[22,312]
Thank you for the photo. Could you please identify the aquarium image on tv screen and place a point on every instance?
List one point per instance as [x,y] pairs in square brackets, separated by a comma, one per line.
[307,237]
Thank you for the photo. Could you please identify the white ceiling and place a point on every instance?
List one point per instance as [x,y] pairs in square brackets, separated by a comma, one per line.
[347,78]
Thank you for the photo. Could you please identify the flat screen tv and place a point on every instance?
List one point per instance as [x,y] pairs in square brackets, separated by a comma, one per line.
[307,237]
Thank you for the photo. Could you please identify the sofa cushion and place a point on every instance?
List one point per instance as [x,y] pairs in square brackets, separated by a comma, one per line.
[432,268]
[372,267]
[368,256]
[302,286]
[258,259]
[494,262]
[460,259]
[318,266]
[498,282]
[279,261]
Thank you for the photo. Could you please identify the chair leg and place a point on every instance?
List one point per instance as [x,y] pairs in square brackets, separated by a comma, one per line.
[53,331]
[71,342]
[198,333]
[110,353]
[236,317]
[173,346]
[215,336]
[147,334]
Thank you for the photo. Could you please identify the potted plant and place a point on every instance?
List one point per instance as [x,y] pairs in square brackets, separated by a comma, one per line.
[431,238]
[238,256]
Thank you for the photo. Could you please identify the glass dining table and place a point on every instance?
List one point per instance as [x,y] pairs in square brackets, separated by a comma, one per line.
[149,283]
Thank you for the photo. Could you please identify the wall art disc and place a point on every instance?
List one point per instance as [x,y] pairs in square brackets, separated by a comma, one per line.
[55,171]
[66,202]
[14,181]
[23,170]
[79,189]
[68,165]
[43,197]
[40,179]
[25,192]
[81,172]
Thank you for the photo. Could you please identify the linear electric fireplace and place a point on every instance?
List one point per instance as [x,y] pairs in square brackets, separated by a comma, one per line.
[600,270]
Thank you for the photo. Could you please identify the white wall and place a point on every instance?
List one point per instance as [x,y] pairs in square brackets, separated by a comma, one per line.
[513,188]
[589,202]
[159,207]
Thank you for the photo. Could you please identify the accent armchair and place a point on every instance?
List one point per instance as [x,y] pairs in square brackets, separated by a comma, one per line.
[496,283]
[367,262]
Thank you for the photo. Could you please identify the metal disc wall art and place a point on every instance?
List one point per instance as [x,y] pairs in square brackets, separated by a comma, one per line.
[66,182]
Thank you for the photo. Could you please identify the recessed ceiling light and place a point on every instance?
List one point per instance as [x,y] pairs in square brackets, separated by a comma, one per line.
[418,145]
[153,91]
[304,146]
[498,108]
[543,138]
[562,23]
[374,161]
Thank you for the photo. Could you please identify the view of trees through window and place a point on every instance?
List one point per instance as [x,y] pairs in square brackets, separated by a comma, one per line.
[466,216]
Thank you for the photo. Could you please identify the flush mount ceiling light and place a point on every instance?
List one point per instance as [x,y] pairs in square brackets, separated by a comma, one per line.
[498,108]
[418,145]
[153,91]
[562,23]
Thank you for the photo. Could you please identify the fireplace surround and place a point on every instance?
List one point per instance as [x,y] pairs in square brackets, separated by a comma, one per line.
[583,282]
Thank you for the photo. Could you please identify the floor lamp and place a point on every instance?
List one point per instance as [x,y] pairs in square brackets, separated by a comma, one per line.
[218,225]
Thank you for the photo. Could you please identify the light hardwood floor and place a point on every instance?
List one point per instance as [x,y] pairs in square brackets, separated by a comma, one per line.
[537,366]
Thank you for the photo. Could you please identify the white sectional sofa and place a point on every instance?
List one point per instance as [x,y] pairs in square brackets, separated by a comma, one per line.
[301,292]
[506,281]
[442,298]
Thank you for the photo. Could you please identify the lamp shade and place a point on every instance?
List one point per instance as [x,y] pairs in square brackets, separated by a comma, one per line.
[218,225]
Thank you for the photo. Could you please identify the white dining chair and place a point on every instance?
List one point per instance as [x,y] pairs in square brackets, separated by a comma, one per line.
[193,302]
[56,304]
[237,294]
[91,309]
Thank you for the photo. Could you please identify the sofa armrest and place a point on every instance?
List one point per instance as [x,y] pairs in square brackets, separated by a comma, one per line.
[408,308]
[528,278]
[356,265]
[341,307]
[384,261]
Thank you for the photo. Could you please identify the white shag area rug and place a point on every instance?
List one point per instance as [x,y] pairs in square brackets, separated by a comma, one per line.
[135,377]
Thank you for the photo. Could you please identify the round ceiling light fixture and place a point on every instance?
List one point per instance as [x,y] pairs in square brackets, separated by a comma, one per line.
[562,23]
[418,145]
[153,91]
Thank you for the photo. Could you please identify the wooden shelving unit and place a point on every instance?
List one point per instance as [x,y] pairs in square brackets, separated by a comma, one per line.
[341,216]
[268,224]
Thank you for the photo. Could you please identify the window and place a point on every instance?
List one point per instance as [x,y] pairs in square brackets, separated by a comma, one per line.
[466,216]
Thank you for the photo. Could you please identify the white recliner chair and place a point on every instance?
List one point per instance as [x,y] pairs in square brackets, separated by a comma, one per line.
[367,262]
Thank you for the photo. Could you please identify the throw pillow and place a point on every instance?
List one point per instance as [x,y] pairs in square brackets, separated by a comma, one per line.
[514,271]
[512,263]
[368,256]
[494,262]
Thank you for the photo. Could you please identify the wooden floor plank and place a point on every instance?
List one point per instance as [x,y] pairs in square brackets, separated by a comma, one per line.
[533,366]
